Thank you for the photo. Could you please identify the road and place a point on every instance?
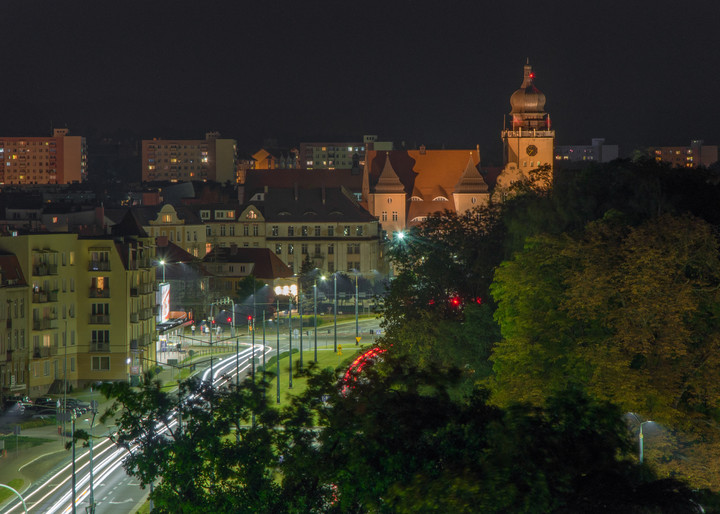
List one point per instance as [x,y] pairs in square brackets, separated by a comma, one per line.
[117,493]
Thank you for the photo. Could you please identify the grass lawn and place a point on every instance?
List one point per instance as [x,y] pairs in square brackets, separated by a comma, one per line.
[23,442]
[326,359]
[15,483]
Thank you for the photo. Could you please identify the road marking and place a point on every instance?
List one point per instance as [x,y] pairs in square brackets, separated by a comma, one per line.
[38,458]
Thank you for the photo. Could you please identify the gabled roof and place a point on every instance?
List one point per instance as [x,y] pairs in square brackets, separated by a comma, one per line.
[10,271]
[129,226]
[266,265]
[313,206]
[256,180]
[176,260]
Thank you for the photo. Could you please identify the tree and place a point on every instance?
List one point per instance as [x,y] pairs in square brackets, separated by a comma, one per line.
[630,311]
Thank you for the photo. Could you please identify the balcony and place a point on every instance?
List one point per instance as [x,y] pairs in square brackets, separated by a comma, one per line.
[42,270]
[44,324]
[96,347]
[99,266]
[96,319]
[99,293]
[41,296]
[146,313]
[146,288]
[134,344]
[145,340]
[134,317]
[40,352]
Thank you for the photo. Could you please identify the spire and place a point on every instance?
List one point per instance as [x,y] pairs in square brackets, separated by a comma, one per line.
[471,181]
[388,181]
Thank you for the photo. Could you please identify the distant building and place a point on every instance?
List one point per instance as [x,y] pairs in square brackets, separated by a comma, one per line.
[230,265]
[697,154]
[598,151]
[334,155]
[184,160]
[58,159]
[273,159]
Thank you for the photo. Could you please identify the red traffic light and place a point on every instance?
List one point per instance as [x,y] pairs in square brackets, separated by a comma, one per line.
[229,319]
[249,318]
[213,322]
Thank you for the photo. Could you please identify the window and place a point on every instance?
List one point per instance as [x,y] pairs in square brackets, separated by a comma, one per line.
[304,230]
[232,230]
[359,230]
[394,215]
[346,230]
[100,336]
[317,230]
[275,230]
[291,231]
[72,364]
[304,249]
[222,230]
[256,230]
[384,215]
[331,267]
[278,249]
[72,284]
[331,249]
[205,215]
[208,230]
[167,218]
[291,249]
[72,258]
[246,230]
[317,249]
[331,231]
[101,363]
[46,368]
[251,215]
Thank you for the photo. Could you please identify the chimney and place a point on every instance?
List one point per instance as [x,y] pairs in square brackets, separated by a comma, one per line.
[241,194]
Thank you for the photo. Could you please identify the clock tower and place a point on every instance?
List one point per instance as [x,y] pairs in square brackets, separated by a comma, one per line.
[529,142]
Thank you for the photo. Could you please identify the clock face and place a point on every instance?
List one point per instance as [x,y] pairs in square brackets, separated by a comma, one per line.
[531,150]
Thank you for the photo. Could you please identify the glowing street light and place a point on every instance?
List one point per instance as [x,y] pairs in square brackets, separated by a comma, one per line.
[162,263]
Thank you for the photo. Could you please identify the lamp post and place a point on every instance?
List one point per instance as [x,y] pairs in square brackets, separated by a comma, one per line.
[357,296]
[162,264]
[252,321]
[335,310]
[301,324]
[72,421]
[641,437]
[277,349]
[94,408]
[315,314]
[290,302]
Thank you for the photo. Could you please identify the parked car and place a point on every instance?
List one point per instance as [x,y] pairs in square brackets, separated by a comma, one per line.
[83,407]
[46,401]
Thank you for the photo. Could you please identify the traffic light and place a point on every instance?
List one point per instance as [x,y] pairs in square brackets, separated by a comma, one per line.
[249,318]
[229,319]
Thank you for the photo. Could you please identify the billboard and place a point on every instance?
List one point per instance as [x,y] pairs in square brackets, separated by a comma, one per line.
[162,298]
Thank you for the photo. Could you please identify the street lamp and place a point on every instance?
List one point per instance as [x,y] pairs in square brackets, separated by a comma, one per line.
[335,310]
[290,302]
[641,437]
[162,263]
[357,296]
[322,277]
[277,349]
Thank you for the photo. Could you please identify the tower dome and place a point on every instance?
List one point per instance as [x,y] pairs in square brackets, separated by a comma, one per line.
[527,99]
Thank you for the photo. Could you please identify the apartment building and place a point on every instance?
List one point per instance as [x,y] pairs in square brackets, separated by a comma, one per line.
[184,160]
[58,159]
[14,358]
[697,154]
[87,313]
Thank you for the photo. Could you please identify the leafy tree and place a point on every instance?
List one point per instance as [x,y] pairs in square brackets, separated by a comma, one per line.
[629,311]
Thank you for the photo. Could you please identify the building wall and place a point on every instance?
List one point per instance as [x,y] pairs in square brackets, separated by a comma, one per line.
[182,160]
[62,273]
[697,154]
[59,159]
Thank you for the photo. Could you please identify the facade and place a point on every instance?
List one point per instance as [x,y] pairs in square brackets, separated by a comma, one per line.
[697,154]
[14,355]
[184,160]
[402,188]
[597,151]
[85,314]
[58,159]
[529,142]
[334,155]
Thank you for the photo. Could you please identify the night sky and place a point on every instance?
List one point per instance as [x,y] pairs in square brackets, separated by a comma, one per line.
[441,73]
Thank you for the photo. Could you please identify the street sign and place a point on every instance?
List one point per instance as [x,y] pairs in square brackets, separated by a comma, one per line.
[357,340]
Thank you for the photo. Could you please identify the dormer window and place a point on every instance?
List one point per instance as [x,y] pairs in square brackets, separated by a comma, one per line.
[251,215]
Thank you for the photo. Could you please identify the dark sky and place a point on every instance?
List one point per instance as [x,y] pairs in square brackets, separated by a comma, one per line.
[635,72]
